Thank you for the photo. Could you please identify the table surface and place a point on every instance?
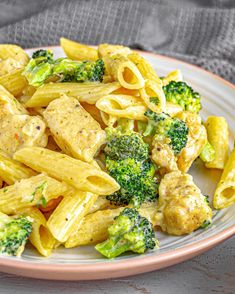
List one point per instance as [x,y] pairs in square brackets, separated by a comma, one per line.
[211,272]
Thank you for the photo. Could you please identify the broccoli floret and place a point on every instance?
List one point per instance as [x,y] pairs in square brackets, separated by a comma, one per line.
[39,68]
[172,130]
[182,94]
[90,71]
[127,144]
[136,180]
[129,232]
[208,153]
[45,54]
[14,232]
[42,66]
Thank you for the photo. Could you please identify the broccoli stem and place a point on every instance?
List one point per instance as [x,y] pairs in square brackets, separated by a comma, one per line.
[113,247]
[208,153]
[126,124]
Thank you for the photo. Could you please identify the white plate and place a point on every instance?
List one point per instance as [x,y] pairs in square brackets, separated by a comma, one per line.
[85,263]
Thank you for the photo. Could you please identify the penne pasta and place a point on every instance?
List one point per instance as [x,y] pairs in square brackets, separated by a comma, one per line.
[145,68]
[94,228]
[125,106]
[84,92]
[125,72]
[14,82]
[77,173]
[40,238]
[9,104]
[225,192]
[68,214]
[175,75]
[105,50]
[217,132]
[29,192]
[12,171]
[77,51]
[108,120]
[74,129]
[153,96]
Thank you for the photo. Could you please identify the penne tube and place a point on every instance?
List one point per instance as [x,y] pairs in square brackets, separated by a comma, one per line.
[100,204]
[14,82]
[84,92]
[153,96]
[9,104]
[94,228]
[77,51]
[108,120]
[173,109]
[125,72]
[12,171]
[125,106]
[74,129]
[14,52]
[40,238]
[217,132]
[175,75]
[83,176]
[69,213]
[225,192]
[36,190]
[105,50]
[145,68]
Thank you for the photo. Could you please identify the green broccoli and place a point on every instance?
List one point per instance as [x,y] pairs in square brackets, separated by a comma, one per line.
[42,66]
[125,143]
[14,233]
[182,94]
[165,128]
[208,153]
[136,180]
[129,232]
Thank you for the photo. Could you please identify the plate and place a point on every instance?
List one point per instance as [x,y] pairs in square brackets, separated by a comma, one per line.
[85,263]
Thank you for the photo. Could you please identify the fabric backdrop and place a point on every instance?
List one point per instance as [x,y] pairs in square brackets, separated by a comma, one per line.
[198,31]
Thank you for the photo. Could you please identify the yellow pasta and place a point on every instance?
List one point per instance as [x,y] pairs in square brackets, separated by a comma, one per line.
[94,228]
[217,132]
[225,192]
[41,238]
[84,92]
[14,82]
[108,120]
[77,51]
[125,106]
[36,190]
[153,96]
[125,72]
[69,213]
[9,104]
[105,50]
[77,173]
[12,171]
[74,129]
[175,75]
[145,68]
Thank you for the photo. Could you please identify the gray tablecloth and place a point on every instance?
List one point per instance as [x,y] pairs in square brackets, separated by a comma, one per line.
[198,31]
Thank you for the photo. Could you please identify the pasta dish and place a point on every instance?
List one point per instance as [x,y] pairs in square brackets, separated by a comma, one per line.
[96,148]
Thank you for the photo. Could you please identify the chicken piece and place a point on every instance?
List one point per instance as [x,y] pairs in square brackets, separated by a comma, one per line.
[181,208]
[197,138]
[9,104]
[18,131]
[75,131]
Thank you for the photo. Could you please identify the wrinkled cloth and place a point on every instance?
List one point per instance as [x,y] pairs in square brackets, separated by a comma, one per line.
[198,31]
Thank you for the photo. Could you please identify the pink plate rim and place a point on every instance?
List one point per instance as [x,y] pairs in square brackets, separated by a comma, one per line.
[119,268]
